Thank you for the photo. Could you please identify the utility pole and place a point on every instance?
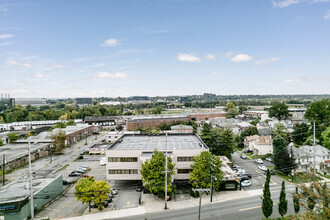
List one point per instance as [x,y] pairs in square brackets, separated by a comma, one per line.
[314,145]
[86,137]
[31,191]
[200,199]
[212,171]
[166,171]
[3,170]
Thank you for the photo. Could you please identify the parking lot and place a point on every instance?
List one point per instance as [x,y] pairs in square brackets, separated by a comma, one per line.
[258,176]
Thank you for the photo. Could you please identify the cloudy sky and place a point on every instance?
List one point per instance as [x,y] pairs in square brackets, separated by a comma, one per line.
[168,47]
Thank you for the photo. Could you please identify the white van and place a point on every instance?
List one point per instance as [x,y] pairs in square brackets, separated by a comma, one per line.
[103,161]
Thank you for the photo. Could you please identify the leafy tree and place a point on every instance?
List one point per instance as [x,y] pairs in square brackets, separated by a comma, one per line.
[242,108]
[300,133]
[229,105]
[2,120]
[282,160]
[88,190]
[119,127]
[153,176]
[58,141]
[101,190]
[63,117]
[279,111]
[267,202]
[222,142]
[326,138]
[296,201]
[255,122]
[70,123]
[1,142]
[319,112]
[283,203]
[281,131]
[314,197]
[83,191]
[13,137]
[232,113]
[200,176]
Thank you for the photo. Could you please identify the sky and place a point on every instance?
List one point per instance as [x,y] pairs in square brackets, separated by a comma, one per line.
[77,48]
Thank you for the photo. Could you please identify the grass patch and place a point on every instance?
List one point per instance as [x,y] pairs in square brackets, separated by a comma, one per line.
[255,157]
[299,178]
[65,167]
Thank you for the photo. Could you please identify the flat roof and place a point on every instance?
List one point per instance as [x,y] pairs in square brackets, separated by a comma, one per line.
[150,142]
[19,190]
[14,151]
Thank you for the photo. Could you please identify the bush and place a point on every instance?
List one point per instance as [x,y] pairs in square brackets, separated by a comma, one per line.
[80,157]
[194,194]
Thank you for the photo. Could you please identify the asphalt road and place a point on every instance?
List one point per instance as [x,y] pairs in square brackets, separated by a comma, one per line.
[247,209]
[258,176]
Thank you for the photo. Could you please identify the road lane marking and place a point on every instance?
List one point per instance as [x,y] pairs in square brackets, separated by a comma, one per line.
[255,207]
[266,177]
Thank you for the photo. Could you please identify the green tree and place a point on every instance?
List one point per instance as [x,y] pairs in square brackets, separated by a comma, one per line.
[153,176]
[279,111]
[232,113]
[319,112]
[1,142]
[242,108]
[281,131]
[296,205]
[229,105]
[83,191]
[222,142]
[255,122]
[300,133]
[282,160]
[58,141]
[283,203]
[88,190]
[2,120]
[267,202]
[200,176]
[13,137]
[326,138]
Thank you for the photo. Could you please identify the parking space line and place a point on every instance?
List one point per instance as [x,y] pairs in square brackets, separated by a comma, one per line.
[266,177]
[255,207]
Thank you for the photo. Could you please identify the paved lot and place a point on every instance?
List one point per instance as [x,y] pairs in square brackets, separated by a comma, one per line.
[258,176]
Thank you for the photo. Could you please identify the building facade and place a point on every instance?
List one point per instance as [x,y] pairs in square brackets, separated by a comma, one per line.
[153,121]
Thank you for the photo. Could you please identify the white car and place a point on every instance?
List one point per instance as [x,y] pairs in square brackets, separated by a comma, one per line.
[263,168]
[269,159]
[246,183]
[103,161]
[259,161]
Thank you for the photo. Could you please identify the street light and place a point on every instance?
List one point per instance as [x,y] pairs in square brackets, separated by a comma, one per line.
[86,137]
[51,152]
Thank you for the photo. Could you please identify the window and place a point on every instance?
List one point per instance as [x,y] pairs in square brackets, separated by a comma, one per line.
[184,171]
[185,159]
[130,171]
[122,159]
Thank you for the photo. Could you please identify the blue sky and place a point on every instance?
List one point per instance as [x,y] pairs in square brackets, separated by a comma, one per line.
[172,47]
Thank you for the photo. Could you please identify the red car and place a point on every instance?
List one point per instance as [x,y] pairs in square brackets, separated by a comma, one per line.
[86,175]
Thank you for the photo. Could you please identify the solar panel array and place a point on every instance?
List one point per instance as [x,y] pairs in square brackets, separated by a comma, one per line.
[144,142]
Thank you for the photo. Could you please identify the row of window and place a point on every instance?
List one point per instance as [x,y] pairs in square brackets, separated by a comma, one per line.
[122,159]
[128,171]
[134,171]
[135,159]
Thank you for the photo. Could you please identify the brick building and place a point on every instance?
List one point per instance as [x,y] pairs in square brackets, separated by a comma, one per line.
[206,116]
[153,121]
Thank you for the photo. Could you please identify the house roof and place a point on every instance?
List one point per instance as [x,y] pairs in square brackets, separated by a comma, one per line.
[251,138]
[264,131]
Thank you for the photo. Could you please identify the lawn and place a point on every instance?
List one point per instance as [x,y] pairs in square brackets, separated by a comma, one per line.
[299,178]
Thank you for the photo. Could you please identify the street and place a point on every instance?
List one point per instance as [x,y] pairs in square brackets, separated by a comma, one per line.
[247,209]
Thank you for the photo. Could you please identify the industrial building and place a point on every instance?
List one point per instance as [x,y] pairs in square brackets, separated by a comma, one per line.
[15,196]
[84,101]
[28,101]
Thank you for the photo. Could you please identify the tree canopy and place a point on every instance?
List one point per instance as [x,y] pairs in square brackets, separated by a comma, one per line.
[88,190]
[153,176]
[300,133]
[200,176]
[267,202]
[58,141]
[279,111]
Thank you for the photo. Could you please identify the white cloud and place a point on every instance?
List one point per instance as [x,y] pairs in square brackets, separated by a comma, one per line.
[285,3]
[210,57]
[6,36]
[15,63]
[38,75]
[106,75]
[241,58]
[273,59]
[112,42]
[57,66]
[229,54]
[215,73]
[183,57]
[327,15]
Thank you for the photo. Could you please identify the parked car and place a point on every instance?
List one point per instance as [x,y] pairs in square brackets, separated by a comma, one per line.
[248,175]
[67,182]
[248,151]
[235,167]
[109,199]
[246,183]
[263,168]
[259,161]
[105,204]
[269,159]
[82,168]
[103,161]
[243,178]
[87,175]
[74,173]
[79,171]
[243,156]
[139,188]
[114,192]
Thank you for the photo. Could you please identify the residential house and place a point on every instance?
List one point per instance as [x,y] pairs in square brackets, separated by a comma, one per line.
[259,145]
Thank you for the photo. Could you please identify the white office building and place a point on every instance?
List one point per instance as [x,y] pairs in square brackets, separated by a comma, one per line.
[126,156]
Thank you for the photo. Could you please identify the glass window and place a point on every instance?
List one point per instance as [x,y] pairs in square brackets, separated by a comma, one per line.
[184,171]
[128,171]
[184,159]
[122,159]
